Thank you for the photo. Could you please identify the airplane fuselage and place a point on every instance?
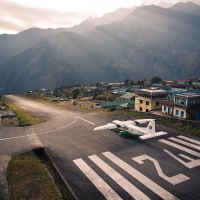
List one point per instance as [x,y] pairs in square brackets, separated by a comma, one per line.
[128,132]
[132,128]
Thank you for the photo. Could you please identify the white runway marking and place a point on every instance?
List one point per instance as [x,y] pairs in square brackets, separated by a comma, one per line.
[40,133]
[185,143]
[13,138]
[189,139]
[180,147]
[174,180]
[193,163]
[58,129]
[100,184]
[119,179]
[34,141]
[85,120]
[161,192]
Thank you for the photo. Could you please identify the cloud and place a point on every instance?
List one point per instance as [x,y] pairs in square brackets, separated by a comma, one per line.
[16,17]
[9,25]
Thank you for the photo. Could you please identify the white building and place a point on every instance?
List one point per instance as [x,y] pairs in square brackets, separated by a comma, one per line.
[184,105]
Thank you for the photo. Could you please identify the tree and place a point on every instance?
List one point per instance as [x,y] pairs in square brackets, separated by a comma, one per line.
[128,82]
[75,93]
[94,96]
[101,97]
[141,83]
[155,79]
[56,93]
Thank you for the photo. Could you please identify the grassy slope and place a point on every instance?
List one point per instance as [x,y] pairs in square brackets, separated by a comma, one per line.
[1,198]
[28,179]
[24,118]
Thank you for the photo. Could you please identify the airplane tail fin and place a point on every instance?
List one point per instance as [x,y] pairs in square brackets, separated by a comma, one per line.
[151,127]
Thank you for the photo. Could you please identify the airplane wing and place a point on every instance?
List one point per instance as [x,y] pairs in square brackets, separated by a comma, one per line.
[107,126]
[143,121]
[144,137]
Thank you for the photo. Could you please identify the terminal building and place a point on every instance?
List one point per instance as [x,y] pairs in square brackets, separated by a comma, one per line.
[149,99]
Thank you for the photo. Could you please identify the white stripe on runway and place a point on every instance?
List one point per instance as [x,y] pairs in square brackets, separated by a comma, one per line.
[185,143]
[119,179]
[174,180]
[189,139]
[180,147]
[161,192]
[85,120]
[35,141]
[33,138]
[40,133]
[100,184]
[193,163]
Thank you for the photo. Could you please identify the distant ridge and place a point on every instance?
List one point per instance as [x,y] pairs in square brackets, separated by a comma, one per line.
[151,40]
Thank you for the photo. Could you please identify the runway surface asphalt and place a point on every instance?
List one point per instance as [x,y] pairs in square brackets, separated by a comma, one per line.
[103,165]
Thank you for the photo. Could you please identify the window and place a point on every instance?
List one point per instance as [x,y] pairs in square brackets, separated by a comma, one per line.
[141,101]
[147,110]
[165,108]
[182,113]
[157,103]
[147,103]
[177,112]
[141,109]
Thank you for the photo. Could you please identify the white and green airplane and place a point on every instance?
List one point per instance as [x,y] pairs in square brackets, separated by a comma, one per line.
[133,128]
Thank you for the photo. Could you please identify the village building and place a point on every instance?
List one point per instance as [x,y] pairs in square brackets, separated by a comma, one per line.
[149,99]
[128,96]
[185,105]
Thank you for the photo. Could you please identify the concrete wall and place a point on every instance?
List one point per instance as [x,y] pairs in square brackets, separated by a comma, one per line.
[175,114]
[9,121]
[64,187]
[150,107]
[175,111]
[168,110]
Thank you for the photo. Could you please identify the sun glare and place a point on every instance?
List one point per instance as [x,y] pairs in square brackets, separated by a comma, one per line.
[97,7]
[23,14]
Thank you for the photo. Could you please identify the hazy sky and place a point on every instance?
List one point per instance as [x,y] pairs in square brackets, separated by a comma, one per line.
[17,15]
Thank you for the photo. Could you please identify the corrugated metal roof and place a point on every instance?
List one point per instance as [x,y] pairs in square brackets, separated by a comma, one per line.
[127,95]
[153,90]
[192,93]
[112,104]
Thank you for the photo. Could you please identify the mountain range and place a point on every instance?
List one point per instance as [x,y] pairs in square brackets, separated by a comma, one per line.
[131,43]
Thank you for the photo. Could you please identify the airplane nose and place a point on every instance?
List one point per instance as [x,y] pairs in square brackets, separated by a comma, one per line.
[97,129]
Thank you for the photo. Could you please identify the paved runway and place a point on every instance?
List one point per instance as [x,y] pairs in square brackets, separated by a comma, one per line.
[103,165]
